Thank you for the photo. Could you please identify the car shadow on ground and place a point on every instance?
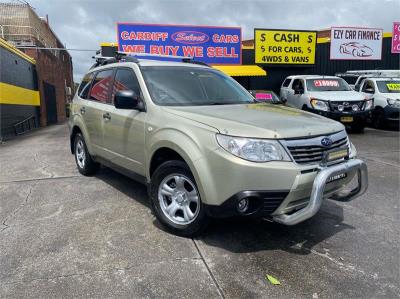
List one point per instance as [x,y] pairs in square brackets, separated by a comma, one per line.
[247,235]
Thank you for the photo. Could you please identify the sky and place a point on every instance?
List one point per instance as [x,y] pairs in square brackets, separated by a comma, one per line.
[85,24]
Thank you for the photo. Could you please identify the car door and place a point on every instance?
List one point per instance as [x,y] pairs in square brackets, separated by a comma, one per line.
[98,99]
[284,90]
[124,129]
[294,100]
[87,111]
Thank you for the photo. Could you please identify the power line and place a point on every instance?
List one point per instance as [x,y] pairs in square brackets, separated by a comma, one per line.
[57,49]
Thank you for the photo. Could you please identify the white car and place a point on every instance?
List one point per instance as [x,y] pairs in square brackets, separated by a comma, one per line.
[386,95]
[328,96]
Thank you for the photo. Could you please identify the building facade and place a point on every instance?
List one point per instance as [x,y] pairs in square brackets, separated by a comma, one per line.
[22,27]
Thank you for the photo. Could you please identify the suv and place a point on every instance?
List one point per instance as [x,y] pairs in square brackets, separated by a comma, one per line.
[386,95]
[205,148]
[329,96]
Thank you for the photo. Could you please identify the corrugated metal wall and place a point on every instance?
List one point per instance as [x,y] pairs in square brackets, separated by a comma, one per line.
[323,66]
[16,74]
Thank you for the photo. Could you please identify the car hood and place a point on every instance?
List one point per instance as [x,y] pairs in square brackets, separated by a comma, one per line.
[259,120]
[391,95]
[349,96]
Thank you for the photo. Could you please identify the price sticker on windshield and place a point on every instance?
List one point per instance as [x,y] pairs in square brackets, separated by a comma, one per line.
[263,96]
[393,86]
[324,83]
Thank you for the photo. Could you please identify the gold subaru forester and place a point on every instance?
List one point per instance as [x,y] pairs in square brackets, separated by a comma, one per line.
[205,147]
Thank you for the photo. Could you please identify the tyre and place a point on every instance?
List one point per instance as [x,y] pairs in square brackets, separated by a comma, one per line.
[176,200]
[357,128]
[378,119]
[84,161]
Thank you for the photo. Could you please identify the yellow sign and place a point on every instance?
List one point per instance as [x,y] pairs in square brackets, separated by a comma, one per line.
[284,46]
[393,86]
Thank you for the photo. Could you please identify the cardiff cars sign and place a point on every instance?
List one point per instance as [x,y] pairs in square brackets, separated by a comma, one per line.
[353,43]
[212,45]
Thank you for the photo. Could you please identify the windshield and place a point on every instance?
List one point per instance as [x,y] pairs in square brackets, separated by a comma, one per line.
[335,84]
[192,86]
[388,86]
[265,96]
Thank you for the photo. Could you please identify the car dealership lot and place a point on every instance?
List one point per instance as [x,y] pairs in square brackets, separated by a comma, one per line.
[62,234]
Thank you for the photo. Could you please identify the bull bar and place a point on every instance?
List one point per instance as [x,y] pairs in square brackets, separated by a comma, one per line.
[317,193]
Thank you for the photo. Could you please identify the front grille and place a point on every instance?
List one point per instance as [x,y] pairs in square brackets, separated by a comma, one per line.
[347,105]
[311,151]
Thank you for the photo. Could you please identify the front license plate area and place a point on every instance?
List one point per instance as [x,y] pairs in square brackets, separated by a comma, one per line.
[336,177]
[346,119]
[336,154]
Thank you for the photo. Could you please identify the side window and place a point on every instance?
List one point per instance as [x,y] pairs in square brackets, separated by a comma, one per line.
[368,87]
[297,84]
[286,83]
[125,79]
[101,87]
[83,90]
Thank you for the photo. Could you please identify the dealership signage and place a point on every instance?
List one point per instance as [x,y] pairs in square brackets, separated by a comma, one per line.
[396,38]
[284,47]
[212,45]
[353,43]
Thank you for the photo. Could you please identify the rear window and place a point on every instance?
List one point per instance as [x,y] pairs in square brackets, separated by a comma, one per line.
[286,82]
[83,90]
[327,85]
[392,86]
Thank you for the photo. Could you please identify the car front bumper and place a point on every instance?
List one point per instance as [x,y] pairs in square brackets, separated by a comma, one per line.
[391,113]
[285,207]
[274,189]
[358,117]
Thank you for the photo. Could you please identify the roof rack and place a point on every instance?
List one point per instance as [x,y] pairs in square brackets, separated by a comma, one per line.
[133,57]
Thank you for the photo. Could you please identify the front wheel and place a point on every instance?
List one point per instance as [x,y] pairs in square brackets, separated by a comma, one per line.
[357,128]
[176,200]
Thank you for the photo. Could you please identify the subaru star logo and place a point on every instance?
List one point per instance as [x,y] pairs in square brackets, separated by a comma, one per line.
[326,141]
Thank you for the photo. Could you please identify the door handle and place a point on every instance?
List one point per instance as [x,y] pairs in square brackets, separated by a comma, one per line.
[82,110]
[106,116]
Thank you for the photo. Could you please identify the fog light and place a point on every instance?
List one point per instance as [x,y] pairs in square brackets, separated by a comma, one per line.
[243,205]
[340,107]
[355,108]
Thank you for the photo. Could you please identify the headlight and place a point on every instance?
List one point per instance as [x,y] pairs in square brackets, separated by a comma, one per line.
[352,150]
[368,104]
[394,103]
[319,105]
[256,150]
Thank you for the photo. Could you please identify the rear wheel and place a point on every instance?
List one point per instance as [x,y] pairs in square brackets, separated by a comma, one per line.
[176,200]
[84,161]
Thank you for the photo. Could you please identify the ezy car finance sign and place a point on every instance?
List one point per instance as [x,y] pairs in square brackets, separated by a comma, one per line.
[353,43]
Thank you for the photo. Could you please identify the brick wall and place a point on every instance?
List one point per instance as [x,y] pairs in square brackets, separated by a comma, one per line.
[56,71]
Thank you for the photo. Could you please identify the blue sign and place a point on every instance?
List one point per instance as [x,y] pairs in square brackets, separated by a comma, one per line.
[212,45]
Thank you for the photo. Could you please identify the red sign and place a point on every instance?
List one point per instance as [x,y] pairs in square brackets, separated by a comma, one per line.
[323,83]
[396,38]
[263,96]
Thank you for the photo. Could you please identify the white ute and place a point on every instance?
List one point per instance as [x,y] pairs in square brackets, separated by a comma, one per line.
[386,95]
[328,96]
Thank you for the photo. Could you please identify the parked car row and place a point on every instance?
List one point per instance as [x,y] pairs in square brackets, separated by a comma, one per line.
[376,99]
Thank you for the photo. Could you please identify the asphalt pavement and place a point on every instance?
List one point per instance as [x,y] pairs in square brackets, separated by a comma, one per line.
[66,235]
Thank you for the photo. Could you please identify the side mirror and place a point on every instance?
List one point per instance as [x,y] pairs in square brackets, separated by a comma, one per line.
[369,90]
[299,91]
[126,99]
